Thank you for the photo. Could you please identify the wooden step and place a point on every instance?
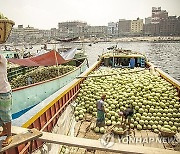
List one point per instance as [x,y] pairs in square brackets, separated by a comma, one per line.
[22,137]
[96,144]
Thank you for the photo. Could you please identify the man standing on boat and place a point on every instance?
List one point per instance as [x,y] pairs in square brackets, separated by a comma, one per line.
[5,102]
[132,62]
[100,112]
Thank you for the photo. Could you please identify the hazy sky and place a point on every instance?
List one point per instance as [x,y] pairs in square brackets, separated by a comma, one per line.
[46,14]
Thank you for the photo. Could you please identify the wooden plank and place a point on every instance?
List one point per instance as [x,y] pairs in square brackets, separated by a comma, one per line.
[81,151]
[95,144]
[92,135]
[23,137]
[132,140]
[104,152]
[84,126]
[152,140]
[93,125]
[76,133]
[166,143]
[144,137]
[138,138]
[177,144]
[159,145]
[77,127]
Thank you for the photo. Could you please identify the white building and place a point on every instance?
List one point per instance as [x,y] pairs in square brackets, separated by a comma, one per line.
[112,29]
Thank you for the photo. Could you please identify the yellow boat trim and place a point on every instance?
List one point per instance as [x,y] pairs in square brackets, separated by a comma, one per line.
[122,55]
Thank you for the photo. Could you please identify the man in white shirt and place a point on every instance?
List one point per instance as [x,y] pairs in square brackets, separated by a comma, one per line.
[5,102]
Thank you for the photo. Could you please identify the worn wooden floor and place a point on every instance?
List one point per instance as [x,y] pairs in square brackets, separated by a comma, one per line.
[141,138]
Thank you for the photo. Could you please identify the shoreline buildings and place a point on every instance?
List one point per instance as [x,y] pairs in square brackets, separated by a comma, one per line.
[159,24]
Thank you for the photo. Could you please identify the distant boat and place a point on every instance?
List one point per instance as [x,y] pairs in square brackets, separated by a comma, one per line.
[45,87]
[9,52]
[68,39]
[112,47]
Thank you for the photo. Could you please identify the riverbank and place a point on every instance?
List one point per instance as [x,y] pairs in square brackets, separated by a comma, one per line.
[149,39]
[156,39]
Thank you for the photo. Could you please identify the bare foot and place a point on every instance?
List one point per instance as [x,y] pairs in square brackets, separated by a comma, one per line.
[7,141]
[3,133]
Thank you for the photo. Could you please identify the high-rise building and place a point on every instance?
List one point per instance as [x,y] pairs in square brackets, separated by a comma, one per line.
[130,27]
[162,24]
[169,26]
[71,28]
[158,14]
[124,27]
[97,31]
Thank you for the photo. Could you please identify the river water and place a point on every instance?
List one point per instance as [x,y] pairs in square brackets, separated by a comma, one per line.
[164,55]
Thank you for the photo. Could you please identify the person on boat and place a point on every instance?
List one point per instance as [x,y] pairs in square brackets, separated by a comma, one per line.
[126,115]
[5,102]
[29,80]
[153,71]
[132,62]
[111,62]
[100,112]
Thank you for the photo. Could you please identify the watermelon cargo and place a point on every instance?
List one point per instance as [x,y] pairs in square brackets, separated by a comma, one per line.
[153,94]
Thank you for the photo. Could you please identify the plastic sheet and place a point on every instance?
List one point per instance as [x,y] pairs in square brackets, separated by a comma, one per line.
[67,55]
[64,126]
[47,59]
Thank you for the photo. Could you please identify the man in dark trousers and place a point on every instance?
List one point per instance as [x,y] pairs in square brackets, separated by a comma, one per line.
[126,115]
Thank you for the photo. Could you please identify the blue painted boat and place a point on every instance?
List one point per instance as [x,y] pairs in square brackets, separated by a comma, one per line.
[37,92]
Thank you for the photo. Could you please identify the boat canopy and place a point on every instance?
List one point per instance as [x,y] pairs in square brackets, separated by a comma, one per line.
[69,54]
[47,59]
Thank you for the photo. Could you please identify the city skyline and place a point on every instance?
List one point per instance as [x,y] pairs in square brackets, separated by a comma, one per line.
[46,15]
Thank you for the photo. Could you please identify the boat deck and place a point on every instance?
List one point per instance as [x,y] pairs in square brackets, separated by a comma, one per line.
[83,129]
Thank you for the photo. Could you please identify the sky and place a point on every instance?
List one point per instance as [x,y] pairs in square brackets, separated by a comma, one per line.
[45,14]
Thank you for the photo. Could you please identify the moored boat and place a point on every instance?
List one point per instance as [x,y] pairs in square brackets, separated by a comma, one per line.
[43,86]
[46,115]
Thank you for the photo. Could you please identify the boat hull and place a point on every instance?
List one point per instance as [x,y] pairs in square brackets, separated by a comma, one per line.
[26,97]
[47,114]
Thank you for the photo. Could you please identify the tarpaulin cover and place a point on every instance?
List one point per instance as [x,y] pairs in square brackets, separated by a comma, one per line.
[69,54]
[47,59]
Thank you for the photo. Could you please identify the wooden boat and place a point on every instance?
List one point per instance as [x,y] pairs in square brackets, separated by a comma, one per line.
[10,54]
[44,88]
[68,39]
[46,114]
